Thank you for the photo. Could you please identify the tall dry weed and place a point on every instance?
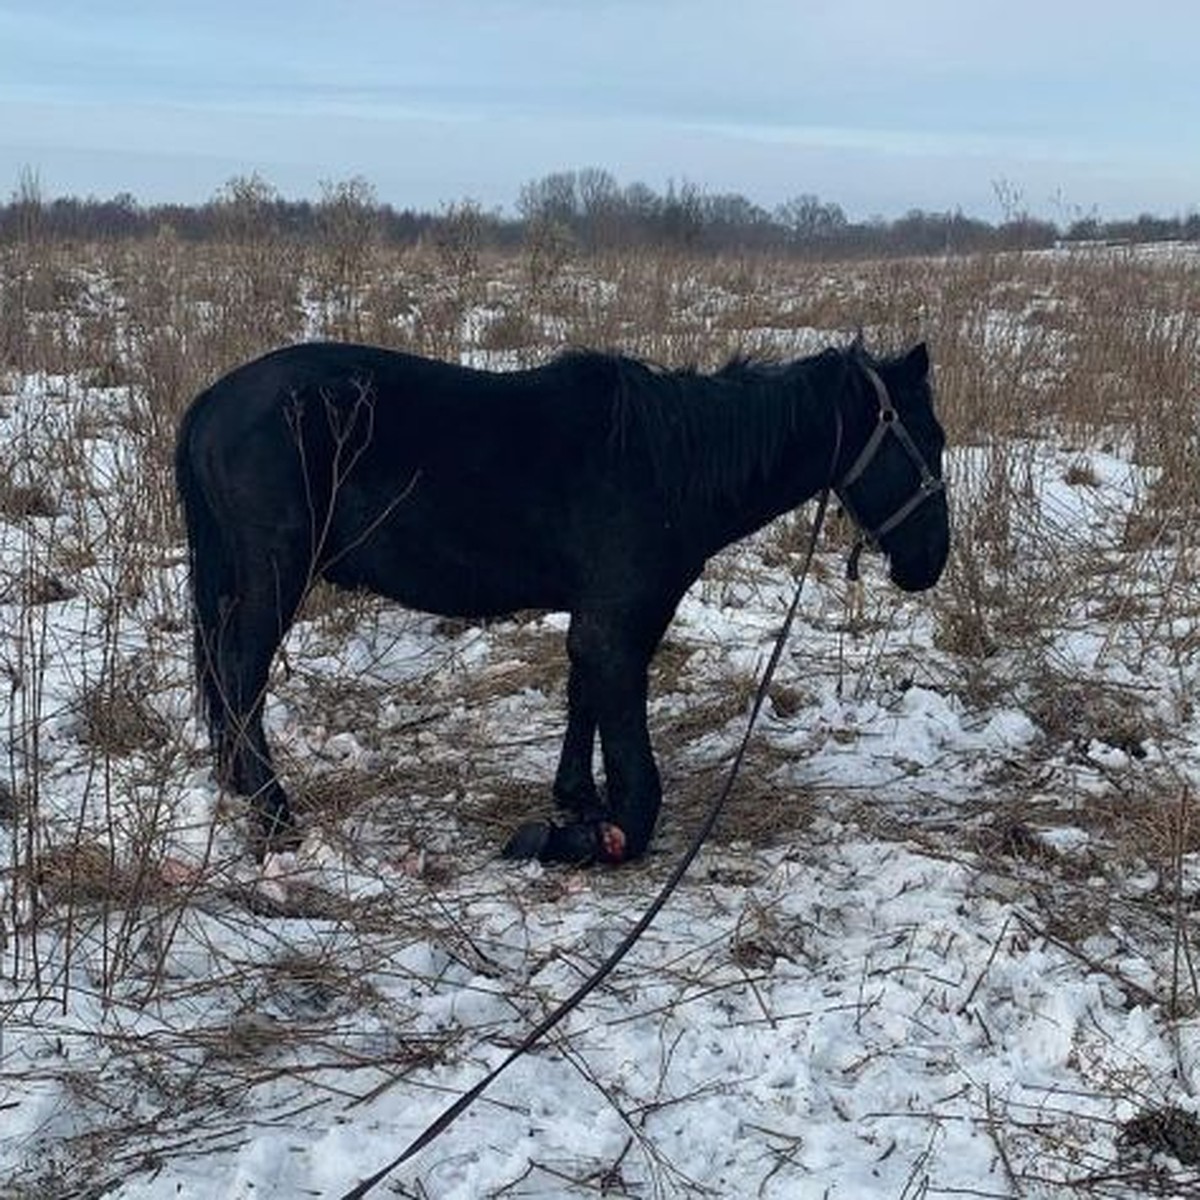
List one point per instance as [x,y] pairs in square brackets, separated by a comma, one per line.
[1094,357]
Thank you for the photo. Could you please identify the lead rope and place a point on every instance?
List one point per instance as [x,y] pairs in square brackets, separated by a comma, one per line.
[447,1118]
[854,585]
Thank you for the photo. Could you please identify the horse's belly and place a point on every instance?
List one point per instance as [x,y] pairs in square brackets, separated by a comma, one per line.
[478,582]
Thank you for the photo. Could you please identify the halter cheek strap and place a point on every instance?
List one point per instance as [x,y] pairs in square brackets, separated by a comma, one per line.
[889,422]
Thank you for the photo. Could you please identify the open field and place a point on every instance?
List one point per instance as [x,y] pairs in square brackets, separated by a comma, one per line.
[942,942]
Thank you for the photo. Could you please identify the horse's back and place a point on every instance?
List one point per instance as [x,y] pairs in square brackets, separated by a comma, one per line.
[408,394]
[451,489]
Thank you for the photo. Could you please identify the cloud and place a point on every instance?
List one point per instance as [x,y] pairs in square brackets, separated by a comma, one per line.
[893,104]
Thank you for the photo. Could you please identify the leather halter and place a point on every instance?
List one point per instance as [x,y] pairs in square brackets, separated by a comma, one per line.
[889,422]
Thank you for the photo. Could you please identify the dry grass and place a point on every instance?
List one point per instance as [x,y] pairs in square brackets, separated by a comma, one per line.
[1099,353]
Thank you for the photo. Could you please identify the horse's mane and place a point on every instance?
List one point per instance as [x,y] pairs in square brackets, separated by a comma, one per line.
[708,434]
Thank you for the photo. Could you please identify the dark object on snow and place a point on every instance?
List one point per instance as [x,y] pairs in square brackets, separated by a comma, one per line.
[1164,1130]
[596,485]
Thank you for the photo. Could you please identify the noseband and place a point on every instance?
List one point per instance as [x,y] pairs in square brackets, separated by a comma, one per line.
[888,422]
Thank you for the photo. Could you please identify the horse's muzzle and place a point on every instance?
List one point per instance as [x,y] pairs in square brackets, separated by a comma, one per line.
[916,576]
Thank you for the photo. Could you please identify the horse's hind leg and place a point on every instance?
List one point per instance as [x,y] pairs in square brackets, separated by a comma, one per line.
[253,627]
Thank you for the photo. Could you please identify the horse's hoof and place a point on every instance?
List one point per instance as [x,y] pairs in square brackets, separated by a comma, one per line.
[529,841]
[276,836]
[613,847]
[577,844]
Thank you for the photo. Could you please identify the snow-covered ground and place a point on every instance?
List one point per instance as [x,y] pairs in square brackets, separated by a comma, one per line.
[940,944]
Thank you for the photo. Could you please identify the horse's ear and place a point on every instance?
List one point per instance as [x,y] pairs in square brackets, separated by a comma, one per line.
[916,363]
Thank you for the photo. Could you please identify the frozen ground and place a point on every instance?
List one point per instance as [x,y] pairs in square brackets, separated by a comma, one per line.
[939,946]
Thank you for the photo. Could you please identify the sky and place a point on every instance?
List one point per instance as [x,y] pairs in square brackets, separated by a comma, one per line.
[1065,108]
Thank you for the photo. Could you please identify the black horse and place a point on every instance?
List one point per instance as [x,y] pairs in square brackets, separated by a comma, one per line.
[596,485]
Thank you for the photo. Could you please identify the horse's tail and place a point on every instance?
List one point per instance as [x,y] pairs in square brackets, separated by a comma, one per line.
[210,567]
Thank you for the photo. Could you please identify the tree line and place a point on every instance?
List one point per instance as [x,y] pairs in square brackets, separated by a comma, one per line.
[586,208]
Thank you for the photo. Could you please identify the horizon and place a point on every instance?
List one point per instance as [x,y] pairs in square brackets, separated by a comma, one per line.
[29,186]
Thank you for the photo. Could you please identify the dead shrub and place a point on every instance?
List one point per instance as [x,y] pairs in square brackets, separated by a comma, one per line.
[39,587]
[118,720]
[1079,711]
[512,329]
[1166,1129]
[21,501]
[81,873]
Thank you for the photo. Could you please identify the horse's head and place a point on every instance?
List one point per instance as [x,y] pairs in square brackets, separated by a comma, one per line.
[893,486]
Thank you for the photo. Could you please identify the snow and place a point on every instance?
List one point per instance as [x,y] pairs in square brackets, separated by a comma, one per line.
[875,1001]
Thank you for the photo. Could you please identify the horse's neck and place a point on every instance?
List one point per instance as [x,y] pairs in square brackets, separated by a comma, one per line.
[805,462]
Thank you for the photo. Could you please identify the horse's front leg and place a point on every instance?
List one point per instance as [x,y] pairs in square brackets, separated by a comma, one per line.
[574,782]
[610,653]
[633,787]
